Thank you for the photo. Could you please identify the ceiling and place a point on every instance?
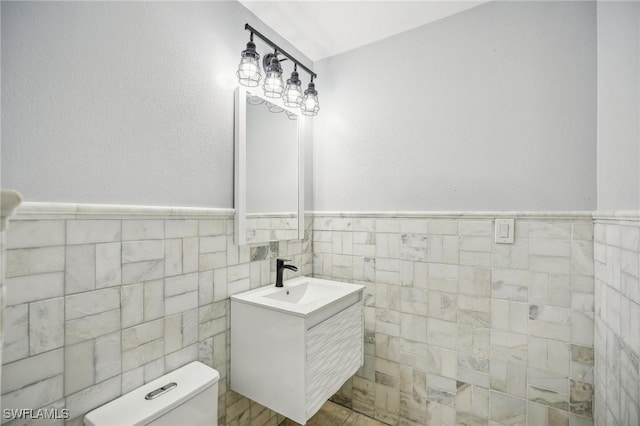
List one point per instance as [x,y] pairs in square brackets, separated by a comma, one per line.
[320,29]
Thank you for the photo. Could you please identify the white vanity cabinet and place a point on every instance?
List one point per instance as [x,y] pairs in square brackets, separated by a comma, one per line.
[292,363]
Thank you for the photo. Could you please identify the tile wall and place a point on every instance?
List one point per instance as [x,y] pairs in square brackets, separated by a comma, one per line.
[617,327]
[461,330]
[97,307]
[274,227]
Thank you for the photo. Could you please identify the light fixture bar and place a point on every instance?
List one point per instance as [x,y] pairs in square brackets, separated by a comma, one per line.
[280,50]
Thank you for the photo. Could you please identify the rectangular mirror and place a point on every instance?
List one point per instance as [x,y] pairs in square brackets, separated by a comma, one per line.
[268,184]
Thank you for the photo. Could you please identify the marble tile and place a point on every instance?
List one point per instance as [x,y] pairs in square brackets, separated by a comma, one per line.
[475,228]
[180,284]
[91,326]
[387,403]
[442,305]
[19,374]
[31,288]
[190,327]
[172,333]
[472,404]
[582,258]
[582,328]
[181,302]
[132,304]
[108,266]
[39,394]
[141,334]
[213,244]
[87,399]
[546,247]
[442,227]
[80,271]
[582,231]
[550,230]
[550,322]
[481,244]
[505,409]
[581,398]
[142,271]
[180,228]
[153,299]
[474,310]
[46,325]
[16,333]
[510,284]
[511,256]
[548,380]
[172,257]
[440,414]
[508,378]
[508,346]
[91,302]
[442,362]
[209,227]
[190,255]
[139,251]
[548,397]
[93,231]
[79,368]
[107,352]
[140,229]
[141,355]
[474,281]
[31,261]
[181,357]
[219,284]
[550,264]
[441,333]
[35,233]
[132,380]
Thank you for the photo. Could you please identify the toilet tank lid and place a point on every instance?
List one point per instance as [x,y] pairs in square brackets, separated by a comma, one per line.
[134,409]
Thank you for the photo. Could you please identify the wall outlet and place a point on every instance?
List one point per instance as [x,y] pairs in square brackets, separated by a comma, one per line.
[505,231]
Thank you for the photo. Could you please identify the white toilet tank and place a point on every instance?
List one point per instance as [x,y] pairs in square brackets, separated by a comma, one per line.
[187,396]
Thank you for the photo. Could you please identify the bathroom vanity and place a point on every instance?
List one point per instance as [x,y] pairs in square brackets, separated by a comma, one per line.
[293,347]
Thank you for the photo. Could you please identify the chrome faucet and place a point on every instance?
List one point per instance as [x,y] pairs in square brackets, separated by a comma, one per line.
[280,267]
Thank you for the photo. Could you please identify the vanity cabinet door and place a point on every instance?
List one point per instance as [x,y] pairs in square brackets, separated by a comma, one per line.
[334,354]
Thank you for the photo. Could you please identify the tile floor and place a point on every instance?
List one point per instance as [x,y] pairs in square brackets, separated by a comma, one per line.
[332,414]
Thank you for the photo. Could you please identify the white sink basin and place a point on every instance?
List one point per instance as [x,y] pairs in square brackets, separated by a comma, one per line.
[304,296]
[306,292]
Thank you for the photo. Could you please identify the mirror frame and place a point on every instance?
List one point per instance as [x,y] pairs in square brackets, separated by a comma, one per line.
[240,159]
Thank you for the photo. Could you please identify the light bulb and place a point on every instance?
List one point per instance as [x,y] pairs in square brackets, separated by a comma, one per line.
[249,69]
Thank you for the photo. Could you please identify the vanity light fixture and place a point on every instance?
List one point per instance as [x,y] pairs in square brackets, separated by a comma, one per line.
[249,75]
[249,69]
[310,105]
[292,96]
[273,85]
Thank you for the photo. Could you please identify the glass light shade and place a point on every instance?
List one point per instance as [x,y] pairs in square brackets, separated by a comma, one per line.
[292,95]
[249,69]
[273,84]
[310,104]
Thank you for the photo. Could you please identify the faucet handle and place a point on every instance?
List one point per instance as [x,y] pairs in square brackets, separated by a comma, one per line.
[281,261]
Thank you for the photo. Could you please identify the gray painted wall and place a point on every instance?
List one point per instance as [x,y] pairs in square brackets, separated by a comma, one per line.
[618,105]
[490,109]
[122,102]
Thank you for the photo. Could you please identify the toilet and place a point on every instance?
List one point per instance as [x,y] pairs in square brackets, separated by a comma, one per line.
[187,396]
